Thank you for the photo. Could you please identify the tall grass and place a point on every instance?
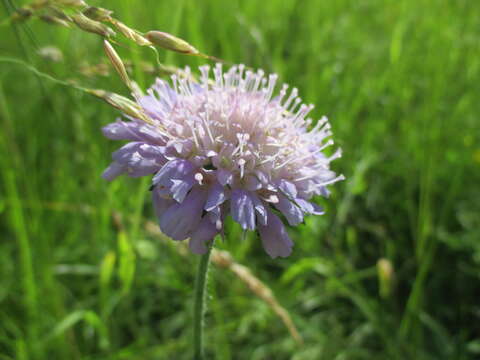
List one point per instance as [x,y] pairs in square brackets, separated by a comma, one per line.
[399,81]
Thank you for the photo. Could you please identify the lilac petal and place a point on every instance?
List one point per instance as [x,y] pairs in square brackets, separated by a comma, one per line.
[288,188]
[181,187]
[261,176]
[275,239]
[182,147]
[160,204]
[324,192]
[174,169]
[180,220]
[158,107]
[132,130]
[291,211]
[140,167]
[317,210]
[214,215]
[260,209]
[241,208]
[154,152]
[152,106]
[115,169]
[252,183]
[224,177]
[204,233]
[150,134]
[168,96]
[126,151]
[216,196]
[170,152]
[139,159]
[122,130]
[309,207]
[199,160]
[137,166]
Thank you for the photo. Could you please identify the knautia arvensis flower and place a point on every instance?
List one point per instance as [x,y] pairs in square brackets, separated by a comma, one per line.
[226,146]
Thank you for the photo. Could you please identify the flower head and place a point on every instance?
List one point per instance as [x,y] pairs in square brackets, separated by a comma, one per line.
[226,146]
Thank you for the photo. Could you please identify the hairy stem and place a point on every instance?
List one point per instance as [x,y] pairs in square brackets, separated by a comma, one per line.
[199,306]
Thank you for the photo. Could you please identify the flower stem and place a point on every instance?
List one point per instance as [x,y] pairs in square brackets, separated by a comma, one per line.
[199,307]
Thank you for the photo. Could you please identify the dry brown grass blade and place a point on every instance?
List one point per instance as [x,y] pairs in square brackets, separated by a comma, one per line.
[223,259]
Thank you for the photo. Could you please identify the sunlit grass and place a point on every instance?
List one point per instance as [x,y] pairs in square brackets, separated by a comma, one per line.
[399,82]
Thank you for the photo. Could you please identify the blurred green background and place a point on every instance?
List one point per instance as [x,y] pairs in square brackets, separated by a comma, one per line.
[399,81]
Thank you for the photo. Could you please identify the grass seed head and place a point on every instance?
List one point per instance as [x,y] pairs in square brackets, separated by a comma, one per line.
[54,20]
[98,13]
[58,13]
[92,26]
[131,34]
[71,3]
[39,4]
[116,62]
[22,14]
[170,42]
[121,103]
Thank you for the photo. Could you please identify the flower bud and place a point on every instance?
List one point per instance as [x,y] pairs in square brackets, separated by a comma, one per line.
[170,42]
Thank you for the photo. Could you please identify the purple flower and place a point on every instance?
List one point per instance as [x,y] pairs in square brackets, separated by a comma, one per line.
[223,147]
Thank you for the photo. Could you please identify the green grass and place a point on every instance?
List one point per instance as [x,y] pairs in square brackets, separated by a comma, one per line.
[400,83]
